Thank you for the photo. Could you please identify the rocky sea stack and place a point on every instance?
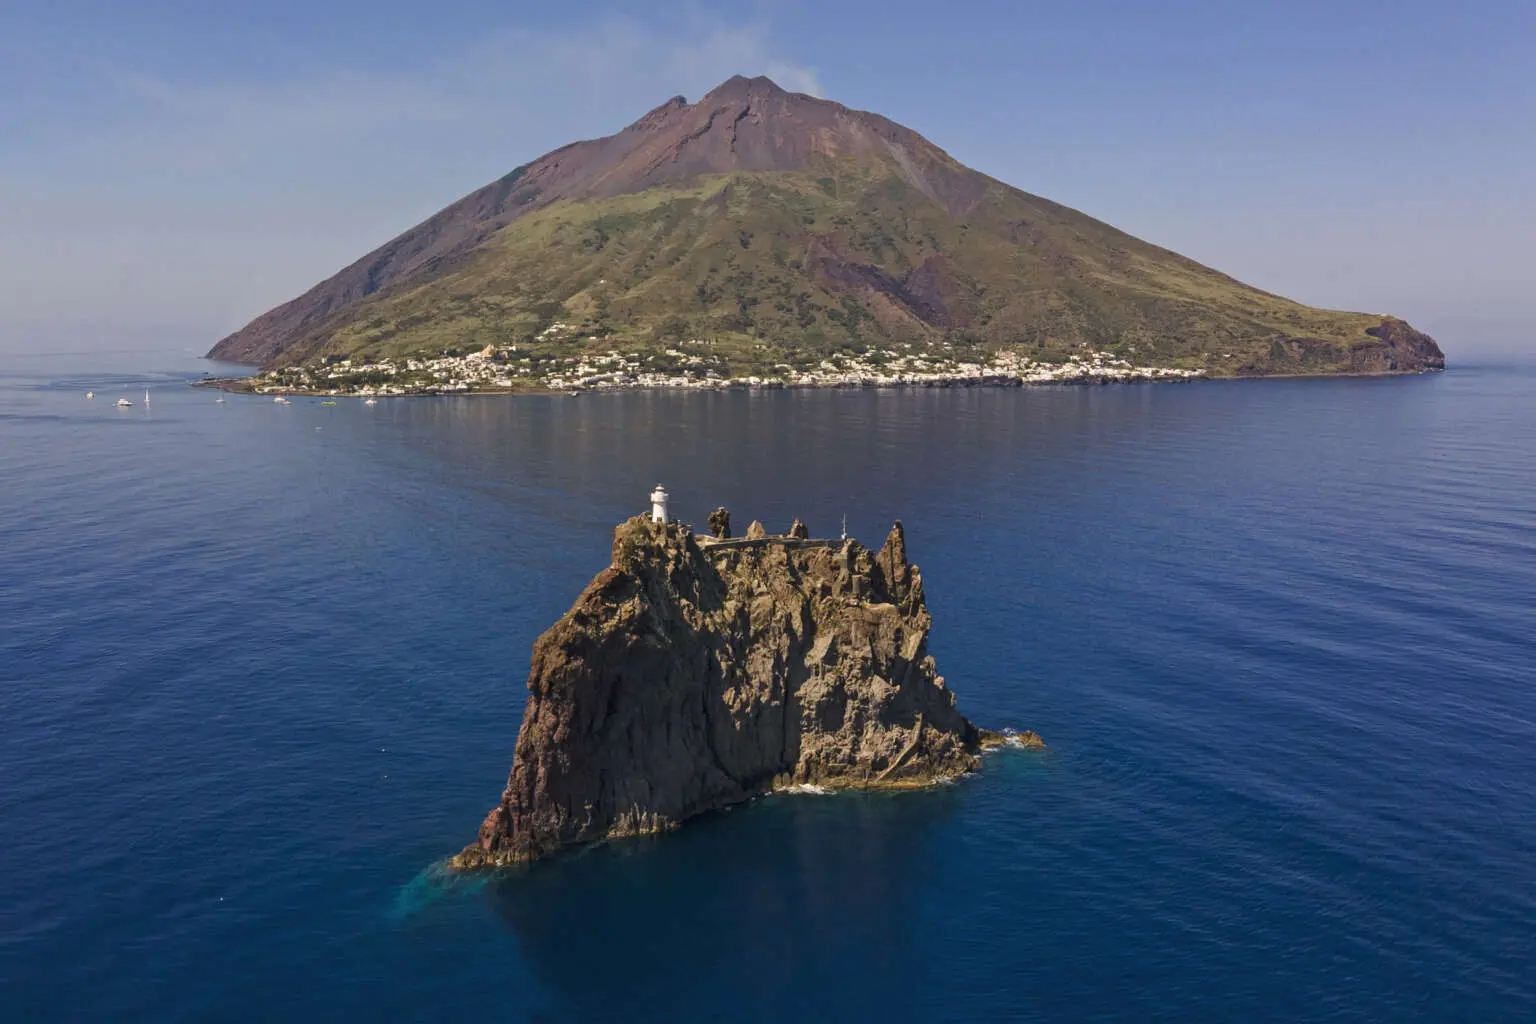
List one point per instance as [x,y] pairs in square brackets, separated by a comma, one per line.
[698,672]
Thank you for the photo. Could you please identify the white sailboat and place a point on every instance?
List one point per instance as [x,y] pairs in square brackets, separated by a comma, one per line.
[146,396]
[372,401]
[90,394]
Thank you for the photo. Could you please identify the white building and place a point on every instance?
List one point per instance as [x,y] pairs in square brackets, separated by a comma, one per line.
[659,505]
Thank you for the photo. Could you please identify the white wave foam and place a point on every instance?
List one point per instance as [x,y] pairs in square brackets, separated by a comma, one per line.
[1013,738]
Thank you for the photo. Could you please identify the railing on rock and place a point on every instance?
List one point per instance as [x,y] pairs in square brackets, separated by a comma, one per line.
[708,543]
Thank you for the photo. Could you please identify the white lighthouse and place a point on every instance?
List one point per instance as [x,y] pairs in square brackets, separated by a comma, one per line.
[659,504]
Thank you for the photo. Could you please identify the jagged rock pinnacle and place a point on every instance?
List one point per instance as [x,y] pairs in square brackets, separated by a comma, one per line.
[900,576]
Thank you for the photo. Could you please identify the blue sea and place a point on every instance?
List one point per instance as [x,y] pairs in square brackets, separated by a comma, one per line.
[262,668]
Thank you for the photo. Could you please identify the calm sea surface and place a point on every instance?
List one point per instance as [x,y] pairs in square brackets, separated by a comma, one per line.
[261,669]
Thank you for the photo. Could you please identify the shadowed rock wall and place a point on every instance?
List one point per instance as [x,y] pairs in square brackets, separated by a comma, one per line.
[688,678]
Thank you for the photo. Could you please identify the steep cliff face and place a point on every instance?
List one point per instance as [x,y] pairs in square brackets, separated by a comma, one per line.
[692,674]
[1396,347]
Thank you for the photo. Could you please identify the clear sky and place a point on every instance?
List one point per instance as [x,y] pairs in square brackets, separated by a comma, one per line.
[171,168]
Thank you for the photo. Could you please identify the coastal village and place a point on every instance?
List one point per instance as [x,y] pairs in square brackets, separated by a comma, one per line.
[493,370]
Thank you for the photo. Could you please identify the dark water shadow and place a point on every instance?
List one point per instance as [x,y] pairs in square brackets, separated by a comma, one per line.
[755,913]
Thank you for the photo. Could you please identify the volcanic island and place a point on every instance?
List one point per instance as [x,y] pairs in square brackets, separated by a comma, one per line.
[766,238]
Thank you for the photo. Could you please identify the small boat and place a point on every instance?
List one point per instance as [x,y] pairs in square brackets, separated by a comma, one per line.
[123,403]
[372,401]
[280,400]
[146,396]
[327,403]
[218,401]
[90,394]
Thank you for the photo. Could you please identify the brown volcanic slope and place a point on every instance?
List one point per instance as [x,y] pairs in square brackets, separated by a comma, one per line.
[794,227]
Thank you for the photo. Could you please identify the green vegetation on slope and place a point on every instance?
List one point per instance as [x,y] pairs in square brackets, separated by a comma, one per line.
[790,267]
